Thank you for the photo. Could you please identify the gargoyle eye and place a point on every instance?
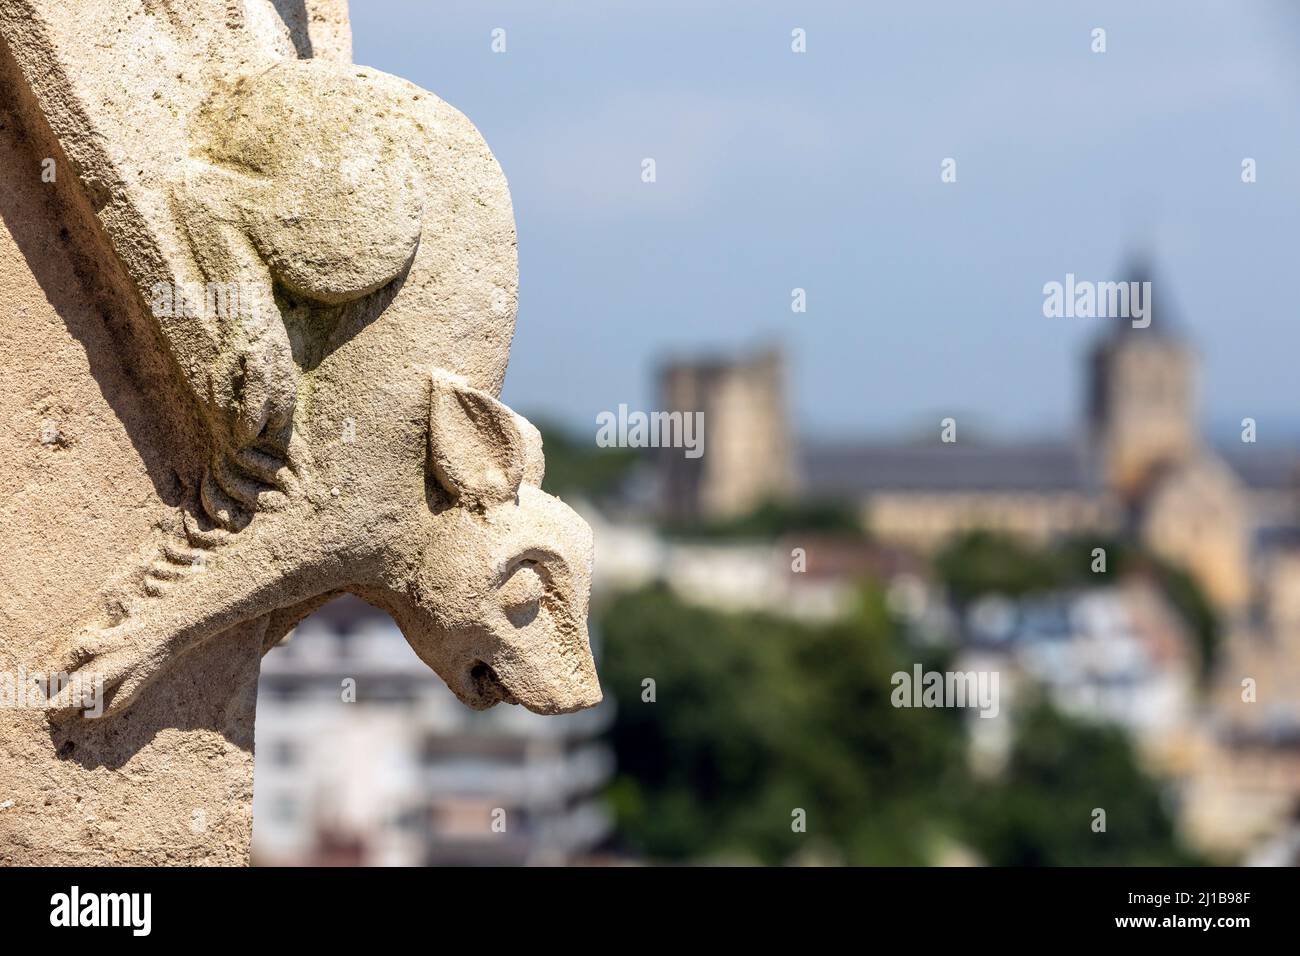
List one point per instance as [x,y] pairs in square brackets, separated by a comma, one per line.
[521,595]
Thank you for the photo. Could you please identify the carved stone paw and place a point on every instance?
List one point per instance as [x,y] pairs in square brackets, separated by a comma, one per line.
[100,671]
[238,485]
[257,383]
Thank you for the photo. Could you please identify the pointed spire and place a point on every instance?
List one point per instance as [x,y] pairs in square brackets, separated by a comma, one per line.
[1158,301]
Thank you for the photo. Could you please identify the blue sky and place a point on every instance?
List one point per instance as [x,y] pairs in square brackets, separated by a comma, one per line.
[821,171]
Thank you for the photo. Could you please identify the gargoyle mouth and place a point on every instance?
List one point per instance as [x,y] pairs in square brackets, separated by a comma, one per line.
[486,686]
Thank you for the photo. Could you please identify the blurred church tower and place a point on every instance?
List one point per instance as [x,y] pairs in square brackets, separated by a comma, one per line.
[1186,504]
[1141,398]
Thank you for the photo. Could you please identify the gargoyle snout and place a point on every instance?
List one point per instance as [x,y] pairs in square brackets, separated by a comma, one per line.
[502,606]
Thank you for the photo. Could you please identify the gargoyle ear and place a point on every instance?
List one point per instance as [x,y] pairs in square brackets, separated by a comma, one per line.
[534,460]
[476,450]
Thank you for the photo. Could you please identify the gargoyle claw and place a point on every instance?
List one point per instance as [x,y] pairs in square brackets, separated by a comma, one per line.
[92,670]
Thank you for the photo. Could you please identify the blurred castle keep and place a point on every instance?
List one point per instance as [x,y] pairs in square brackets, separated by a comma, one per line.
[748,453]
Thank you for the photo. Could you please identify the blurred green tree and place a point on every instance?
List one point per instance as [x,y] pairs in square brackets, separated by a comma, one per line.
[983,562]
[756,716]
[1041,811]
[772,519]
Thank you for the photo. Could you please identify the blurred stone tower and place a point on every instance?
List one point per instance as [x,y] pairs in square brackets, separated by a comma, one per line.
[1185,503]
[748,454]
[1142,399]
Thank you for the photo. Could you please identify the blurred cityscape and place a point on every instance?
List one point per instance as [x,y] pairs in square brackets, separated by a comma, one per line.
[404,774]
[1134,587]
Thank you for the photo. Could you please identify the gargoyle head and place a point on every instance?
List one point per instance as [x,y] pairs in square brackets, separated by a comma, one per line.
[498,604]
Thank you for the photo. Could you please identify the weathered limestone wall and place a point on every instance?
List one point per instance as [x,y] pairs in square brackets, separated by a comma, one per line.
[88,466]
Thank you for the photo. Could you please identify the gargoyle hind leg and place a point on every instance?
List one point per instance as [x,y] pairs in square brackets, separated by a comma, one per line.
[248,380]
[112,663]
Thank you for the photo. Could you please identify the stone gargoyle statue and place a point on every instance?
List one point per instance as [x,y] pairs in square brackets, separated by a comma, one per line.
[486,575]
[325,255]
